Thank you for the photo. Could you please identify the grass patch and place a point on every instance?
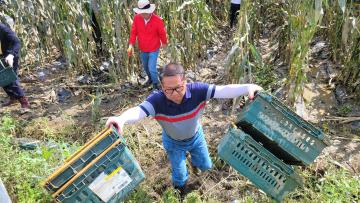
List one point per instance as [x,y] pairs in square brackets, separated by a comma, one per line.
[42,128]
[22,171]
[332,184]
[140,195]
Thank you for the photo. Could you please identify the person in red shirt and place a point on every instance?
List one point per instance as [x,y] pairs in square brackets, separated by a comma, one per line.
[149,30]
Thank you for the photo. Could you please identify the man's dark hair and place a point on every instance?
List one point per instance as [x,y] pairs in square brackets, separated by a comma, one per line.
[172,69]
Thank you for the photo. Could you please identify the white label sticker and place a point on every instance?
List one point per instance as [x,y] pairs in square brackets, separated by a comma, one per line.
[105,186]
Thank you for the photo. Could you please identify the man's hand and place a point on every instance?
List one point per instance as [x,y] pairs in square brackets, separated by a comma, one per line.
[130,50]
[164,46]
[252,90]
[116,122]
[10,60]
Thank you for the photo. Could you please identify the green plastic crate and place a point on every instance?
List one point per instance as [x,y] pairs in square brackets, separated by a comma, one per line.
[282,131]
[118,160]
[7,75]
[75,164]
[262,168]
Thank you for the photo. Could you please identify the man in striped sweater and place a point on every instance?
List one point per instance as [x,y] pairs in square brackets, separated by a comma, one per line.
[178,108]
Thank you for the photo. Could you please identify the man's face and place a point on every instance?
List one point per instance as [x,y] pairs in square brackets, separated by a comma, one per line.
[146,16]
[174,88]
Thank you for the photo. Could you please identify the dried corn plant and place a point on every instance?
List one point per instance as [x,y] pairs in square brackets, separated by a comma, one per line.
[304,18]
[66,26]
[238,59]
[343,33]
[191,29]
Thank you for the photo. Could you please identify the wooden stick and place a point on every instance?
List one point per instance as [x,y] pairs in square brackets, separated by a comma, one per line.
[347,138]
[91,86]
[342,119]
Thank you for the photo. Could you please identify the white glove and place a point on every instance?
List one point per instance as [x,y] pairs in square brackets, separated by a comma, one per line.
[10,60]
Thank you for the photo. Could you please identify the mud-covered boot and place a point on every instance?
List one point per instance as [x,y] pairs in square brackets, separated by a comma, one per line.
[24,102]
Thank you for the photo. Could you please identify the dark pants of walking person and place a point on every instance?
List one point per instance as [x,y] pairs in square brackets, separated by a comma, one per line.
[96,34]
[234,8]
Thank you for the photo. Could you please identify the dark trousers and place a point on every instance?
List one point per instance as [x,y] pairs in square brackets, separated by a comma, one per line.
[14,90]
[234,8]
[96,33]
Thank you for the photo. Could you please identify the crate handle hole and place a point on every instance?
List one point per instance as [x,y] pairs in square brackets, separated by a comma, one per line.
[254,148]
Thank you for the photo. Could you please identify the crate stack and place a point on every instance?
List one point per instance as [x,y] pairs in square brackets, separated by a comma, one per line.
[267,140]
[103,170]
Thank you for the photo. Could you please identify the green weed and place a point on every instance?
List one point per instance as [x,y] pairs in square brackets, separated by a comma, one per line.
[345,110]
[334,184]
[171,196]
[22,171]
[140,195]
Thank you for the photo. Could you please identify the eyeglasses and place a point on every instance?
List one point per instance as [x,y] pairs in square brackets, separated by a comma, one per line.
[178,89]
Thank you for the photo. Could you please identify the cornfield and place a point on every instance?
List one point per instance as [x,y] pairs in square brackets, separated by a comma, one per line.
[192,27]
[66,26]
[296,23]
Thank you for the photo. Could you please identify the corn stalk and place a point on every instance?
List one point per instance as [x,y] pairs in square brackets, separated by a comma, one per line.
[304,18]
[239,58]
[191,29]
[44,26]
[343,33]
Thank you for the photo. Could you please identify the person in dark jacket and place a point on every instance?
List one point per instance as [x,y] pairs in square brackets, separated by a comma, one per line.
[10,47]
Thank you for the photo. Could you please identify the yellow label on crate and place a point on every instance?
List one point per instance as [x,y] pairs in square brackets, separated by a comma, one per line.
[105,186]
[113,173]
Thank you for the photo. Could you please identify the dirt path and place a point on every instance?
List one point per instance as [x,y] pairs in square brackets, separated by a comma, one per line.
[322,105]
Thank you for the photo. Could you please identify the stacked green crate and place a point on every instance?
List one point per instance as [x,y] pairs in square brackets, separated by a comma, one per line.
[103,170]
[281,130]
[77,164]
[270,136]
[252,160]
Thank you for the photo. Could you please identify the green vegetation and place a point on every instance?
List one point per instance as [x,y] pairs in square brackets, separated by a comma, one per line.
[344,110]
[333,184]
[66,26]
[22,170]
